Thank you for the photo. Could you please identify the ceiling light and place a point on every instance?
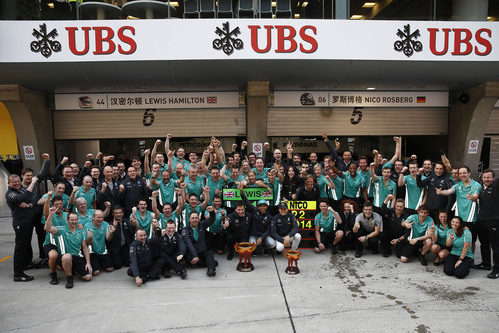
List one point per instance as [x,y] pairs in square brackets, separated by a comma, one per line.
[172,3]
[369,4]
[356,17]
[50,4]
[304,4]
[274,3]
[297,15]
[371,88]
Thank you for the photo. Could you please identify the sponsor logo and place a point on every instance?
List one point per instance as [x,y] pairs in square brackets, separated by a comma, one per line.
[45,42]
[408,43]
[227,41]
[307,99]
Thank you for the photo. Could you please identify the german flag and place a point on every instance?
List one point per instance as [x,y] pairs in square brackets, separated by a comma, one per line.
[421,99]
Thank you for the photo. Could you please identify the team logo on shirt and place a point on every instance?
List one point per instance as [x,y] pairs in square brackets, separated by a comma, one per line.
[45,42]
[408,43]
[227,41]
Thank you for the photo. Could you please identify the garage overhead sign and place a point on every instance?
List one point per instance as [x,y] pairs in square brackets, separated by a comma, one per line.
[360,99]
[140,101]
[218,39]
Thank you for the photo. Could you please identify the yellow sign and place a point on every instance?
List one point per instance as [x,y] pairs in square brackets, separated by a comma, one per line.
[302,205]
[8,137]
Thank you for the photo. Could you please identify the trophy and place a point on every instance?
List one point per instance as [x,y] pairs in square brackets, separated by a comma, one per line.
[245,249]
[292,256]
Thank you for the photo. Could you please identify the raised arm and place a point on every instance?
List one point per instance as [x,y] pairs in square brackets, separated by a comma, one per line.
[330,146]
[147,165]
[48,224]
[401,180]
[154,203]
[398,149]
[372,167]
[206,191]
[154,150]
[446,162]
[167,142]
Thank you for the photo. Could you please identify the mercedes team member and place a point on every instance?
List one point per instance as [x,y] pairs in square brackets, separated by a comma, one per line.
[419,235]
[393,231]
[367,228]
[18,199]
[326,228]
[284,229]
[102,232]
[172,250]
[119,245]
[431,180]
[488,222]
[238,225]
[145,261]
[131,190]
[64,173]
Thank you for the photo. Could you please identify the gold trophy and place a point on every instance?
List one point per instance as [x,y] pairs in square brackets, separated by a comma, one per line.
[292,256]
[245,249]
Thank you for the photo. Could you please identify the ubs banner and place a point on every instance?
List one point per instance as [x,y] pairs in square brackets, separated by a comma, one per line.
[139,40]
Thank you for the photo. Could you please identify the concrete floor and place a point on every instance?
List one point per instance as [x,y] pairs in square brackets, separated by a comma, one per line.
[331,294]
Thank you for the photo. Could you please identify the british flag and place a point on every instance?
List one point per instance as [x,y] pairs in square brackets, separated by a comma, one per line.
[229,194]
[267,194]
[211,100]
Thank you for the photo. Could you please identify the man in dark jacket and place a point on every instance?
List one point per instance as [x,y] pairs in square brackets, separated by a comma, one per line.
[284,229]
[437,179]
[108,190]
[194,236]
[119,246]
[131,190]
[18,199]
[172,250]
[238,225]
[145,262]
[64,173]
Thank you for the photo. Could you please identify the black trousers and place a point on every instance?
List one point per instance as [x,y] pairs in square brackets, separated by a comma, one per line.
[151,270]
[460,271]
[205,259]
[170,262]
[40,234]
[489,238]
[120,258]
[216,242]
[232,239]
[22,249]
[387,236]
[347,242]
[373,242]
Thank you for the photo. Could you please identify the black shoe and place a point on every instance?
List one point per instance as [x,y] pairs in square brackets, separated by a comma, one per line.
[216,263]
[38,264]
[167,274]
[53,278]
[183,274]
[23,278]
[375,252]
[45,262]
[494,274]
[28,266]
[422,259]
[333,249]
[482,266]
[436,263]
[69,283]
[153,277]
[211,272]
[266,252]
[358,254]
[386,254]
[230,256]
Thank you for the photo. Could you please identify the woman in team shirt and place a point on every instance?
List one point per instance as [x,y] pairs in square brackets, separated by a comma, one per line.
[353,182]
[460,259]
[439,237]
[323,181]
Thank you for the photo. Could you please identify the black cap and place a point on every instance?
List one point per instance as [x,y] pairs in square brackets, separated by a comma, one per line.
[283,205]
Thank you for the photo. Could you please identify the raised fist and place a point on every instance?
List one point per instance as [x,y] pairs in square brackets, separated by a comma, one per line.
[158,142]
[64,160]
[169,136]
[147,152]
[122,187]
[107,204]
[75,188]
[89,156]
[46,156]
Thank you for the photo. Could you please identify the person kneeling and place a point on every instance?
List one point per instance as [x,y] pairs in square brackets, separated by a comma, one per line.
[367,228]
[326,232]
[172,248]
[284,229]
[71,241]
[145,262]
[194,236]
[420,230]
[460,259]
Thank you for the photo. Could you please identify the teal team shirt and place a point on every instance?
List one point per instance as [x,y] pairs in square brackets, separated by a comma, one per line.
[458,243]
[57,221]
[195,187]
[323,186]
[276,187]
[441,233]
[217,225]
[327,223]
[419,229]
[167,192]
[337,193]
[413,193]
[185,163]
[382,190]
[70,242]
[261,175]
[143,222]
[88,196]
[352,185]
[163,219]
[214,185]
[465,208]
[99,235]
[187,212]
[87,219]
[368,183]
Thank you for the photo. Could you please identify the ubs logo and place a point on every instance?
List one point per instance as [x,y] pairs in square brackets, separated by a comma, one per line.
[227,41]
[45,43]
[408,43]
